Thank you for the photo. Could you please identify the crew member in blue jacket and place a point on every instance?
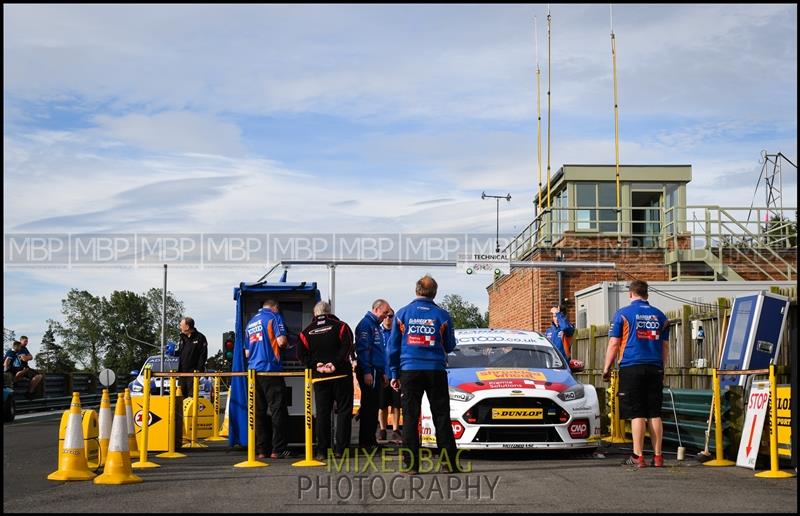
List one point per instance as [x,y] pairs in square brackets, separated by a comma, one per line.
[639,336]
[265,338]
[422,336]
[370,370]
[560,332]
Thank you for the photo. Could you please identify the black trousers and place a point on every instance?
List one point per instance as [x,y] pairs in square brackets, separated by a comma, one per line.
[271,408]
[325,393]
[433,383]
[368,413]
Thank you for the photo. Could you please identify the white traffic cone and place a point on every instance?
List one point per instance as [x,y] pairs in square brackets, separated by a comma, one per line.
[106,418]
[118,462]
[133,445]
[72,464]
[223,432]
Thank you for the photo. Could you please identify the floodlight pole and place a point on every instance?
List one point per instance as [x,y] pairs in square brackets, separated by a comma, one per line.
[497,233]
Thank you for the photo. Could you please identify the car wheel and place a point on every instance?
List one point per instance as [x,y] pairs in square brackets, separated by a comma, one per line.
[9,411]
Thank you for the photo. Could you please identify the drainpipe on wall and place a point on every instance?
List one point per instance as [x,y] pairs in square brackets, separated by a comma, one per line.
[560,272]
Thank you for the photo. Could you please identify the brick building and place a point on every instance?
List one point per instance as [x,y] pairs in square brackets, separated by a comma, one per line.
[654,236]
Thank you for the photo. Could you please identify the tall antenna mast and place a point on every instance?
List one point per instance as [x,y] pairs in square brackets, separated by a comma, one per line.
[616,116]
[538,112]
[549,75]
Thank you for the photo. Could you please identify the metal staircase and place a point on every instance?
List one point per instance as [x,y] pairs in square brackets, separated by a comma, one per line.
[724,240]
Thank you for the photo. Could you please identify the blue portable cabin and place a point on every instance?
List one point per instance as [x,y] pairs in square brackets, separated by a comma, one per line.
[296,302]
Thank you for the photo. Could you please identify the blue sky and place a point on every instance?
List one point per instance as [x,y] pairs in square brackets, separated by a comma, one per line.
[357,119]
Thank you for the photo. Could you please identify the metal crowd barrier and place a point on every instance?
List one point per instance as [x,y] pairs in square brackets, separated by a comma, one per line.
[251,374]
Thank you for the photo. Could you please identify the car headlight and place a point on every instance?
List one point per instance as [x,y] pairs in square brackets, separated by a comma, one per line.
[136,387]
[459,395]
[573,393]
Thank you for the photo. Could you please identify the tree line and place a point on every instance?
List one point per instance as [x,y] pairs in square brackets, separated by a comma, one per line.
[98,332]
[105,332]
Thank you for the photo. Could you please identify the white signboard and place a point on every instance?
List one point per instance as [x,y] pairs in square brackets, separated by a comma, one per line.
[484,263]
[753,425]
[106,377]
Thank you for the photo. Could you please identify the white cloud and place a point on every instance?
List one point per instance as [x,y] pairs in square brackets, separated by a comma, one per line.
[404,61]
[181,132]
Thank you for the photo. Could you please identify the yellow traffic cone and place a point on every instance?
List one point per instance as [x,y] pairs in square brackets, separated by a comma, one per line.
[223,432]
[133,446]
[106,418]
[72,464]
[118,461]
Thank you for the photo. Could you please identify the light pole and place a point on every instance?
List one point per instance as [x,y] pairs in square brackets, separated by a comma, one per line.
[497,197]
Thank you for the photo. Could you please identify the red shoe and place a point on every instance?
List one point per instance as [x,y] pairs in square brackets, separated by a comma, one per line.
[658,461]
[637,462]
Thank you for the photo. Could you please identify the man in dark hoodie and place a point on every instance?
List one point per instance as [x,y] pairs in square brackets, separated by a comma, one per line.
[192,353]
[327,343]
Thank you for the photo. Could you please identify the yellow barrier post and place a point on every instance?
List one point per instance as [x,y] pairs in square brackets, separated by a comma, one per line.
[215,417]
[309,460]
[143,462]
[621,429]
[251,461]
[611,402]
[171,453]
[617,435]
[717,401]
[773,472]
[308,381]
[195,402]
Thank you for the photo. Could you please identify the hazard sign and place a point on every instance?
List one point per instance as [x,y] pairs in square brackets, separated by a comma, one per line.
[153,419]
[753,425]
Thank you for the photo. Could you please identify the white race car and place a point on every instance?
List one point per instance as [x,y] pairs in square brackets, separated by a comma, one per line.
[512,389]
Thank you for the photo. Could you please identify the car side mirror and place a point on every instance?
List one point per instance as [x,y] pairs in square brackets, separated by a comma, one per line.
[576,366]
[135,373]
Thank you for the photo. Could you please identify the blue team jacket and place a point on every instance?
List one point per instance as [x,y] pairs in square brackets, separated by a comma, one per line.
[642,330]
[370,355]
[561,335]
[422,336]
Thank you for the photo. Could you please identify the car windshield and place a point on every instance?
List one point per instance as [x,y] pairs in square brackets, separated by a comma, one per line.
[499,355]
[170,364]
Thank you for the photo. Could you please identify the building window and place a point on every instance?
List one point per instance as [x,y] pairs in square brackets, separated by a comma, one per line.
[596,205]
[671,205]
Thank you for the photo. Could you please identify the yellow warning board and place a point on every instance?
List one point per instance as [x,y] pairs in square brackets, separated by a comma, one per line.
[205,418]
[784,420]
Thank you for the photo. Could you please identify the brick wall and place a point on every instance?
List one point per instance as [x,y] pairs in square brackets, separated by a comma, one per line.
[523,299]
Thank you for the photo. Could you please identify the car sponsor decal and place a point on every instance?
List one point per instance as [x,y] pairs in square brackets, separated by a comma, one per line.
[517,413]
[507,374]
[511,384]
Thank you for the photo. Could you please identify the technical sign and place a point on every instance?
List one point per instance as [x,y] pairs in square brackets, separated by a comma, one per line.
[753,425]
[754,334]
[480,263]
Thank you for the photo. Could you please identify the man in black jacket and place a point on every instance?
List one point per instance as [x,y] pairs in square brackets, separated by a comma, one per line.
[327,344]
[192,353]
